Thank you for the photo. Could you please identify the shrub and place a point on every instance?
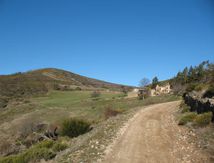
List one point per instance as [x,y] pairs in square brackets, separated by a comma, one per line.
[57,147]
[203,119]
[44,150]
[35,153]
[187,117]
[45,144]
[74,127]
[95,94]
[185,109]
[78,89]
[109,112]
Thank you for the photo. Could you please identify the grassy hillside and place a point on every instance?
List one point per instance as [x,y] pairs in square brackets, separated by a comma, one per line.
[56,106]
[39,82]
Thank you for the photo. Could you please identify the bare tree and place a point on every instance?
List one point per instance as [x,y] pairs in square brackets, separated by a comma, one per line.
[144,82]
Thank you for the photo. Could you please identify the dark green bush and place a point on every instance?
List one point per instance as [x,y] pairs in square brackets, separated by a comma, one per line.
[203,119]
[74,127]
[187,117]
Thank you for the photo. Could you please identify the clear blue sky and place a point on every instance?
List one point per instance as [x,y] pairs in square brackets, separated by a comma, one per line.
[119,41]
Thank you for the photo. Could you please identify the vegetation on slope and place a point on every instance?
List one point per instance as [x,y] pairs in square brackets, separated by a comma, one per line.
[41,81]
[57,106]
[194,78]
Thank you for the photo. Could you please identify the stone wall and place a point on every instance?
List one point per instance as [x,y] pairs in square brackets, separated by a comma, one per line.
[198,104]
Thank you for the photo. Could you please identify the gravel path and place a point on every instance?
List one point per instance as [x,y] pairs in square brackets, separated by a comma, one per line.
[153,136]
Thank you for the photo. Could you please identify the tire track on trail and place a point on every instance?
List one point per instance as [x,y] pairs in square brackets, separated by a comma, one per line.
[153,136]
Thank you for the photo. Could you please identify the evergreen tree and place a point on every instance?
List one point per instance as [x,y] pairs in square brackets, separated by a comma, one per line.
[154,81]
[190,72]
[185,75]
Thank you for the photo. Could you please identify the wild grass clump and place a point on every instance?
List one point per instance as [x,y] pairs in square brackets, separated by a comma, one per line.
[74,127]
[187,117]
[196,119]
[46,150]
[203,119]
[185,109]
[109,112]
[57,147]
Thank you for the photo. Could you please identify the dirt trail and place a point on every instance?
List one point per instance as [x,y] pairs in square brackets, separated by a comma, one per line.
[153,136]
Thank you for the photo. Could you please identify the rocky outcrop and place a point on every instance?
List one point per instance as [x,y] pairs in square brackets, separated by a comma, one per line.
[199,104]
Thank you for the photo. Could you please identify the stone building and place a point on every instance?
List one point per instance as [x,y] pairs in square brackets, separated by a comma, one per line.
[158,90]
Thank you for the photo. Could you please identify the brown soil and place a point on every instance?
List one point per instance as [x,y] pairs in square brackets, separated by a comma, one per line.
[153,136]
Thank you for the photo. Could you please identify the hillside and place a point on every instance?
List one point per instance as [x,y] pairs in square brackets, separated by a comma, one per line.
[41,81]
[198,78]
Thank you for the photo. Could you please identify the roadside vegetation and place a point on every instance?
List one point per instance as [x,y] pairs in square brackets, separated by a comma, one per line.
[197,120]
[60,116]
[196,78]
[74,127]
[199,127]
[196,86]
[44,150]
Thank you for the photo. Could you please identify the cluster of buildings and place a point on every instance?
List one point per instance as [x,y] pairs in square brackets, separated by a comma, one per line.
[158,90]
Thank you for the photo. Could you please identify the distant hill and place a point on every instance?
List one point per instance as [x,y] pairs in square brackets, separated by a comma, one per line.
[41,81]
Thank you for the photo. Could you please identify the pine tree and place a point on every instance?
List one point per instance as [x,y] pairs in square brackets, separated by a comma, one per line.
[154,81]
[185,75]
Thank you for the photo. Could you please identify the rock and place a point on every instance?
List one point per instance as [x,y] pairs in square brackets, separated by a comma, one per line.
[198,104]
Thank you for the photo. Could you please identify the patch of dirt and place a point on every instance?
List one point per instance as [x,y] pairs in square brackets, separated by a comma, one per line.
[152,136]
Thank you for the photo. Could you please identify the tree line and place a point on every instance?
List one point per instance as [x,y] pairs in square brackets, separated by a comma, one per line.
[203,72]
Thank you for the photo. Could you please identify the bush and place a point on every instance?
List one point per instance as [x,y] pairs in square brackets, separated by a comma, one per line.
[44,150]
[78,89]
[35,153]
[188,117]
[74,127]
[57,147]
[203,119]
[109,112]
[45,144]
[95,94]
[185,109]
